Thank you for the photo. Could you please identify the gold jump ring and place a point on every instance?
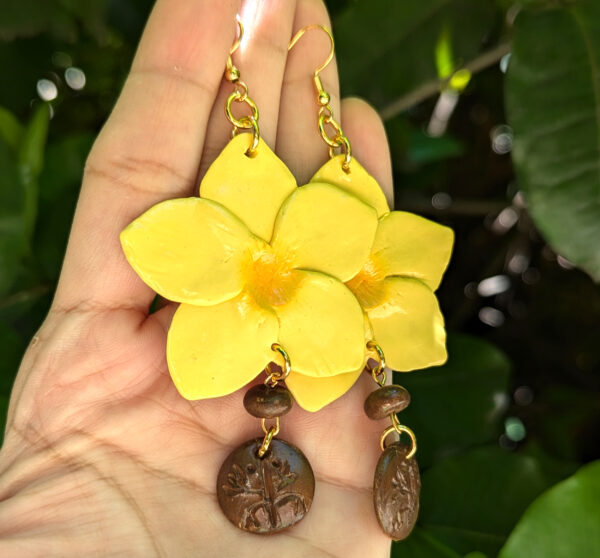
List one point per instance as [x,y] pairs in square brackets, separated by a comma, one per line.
[334,141]
[378,372]
[252,124]
[269,435]
[274,377]
[244,121]
[400,428]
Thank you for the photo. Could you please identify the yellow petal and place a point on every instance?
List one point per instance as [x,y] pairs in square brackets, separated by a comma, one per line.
[411,246]
[215,350]
[253,188]
[312,394]
[409,326]
[189,250]
[323,228]
[358,182]
[322,327]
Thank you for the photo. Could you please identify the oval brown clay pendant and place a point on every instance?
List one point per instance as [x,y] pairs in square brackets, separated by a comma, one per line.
[265,495]
[396,491]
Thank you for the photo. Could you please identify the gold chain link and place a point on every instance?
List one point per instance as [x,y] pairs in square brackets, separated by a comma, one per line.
[324,119]
[269,435]
[273,378]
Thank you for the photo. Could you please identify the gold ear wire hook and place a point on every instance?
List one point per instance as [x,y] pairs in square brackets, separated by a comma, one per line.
[240,36]
[232,73]
[240,95]
[338,139]
[323,96]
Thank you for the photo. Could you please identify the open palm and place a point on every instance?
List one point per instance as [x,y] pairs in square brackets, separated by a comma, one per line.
[102,456]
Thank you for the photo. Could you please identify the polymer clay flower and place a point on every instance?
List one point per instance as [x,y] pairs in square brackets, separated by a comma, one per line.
[395,286]
[253,261]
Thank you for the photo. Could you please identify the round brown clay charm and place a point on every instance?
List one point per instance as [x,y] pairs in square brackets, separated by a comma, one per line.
[385,401]
[396,491]
[268,402]
[265,495]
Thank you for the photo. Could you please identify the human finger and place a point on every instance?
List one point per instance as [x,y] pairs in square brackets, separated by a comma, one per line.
[261,60]
[298,141]
[149,150]
[364,128]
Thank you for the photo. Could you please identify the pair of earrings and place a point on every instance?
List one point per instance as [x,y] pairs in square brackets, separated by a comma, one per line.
[310,276]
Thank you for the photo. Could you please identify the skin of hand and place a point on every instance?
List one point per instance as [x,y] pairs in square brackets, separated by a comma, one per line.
[102,456]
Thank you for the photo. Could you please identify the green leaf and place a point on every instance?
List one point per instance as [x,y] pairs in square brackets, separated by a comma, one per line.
[563,522]
[19,195]
[52,233]
[13,347]
[21,303]
[427,149]
[3,412]
[91,15]
[31,153]
[11,130]
[471,502]
[58,189]
[27,18]
[396,52]
[411,146]
[63,165]
[553,105]
[24,18]
[444,58]
[422,544]
[460,404]
[31,161]
[12,230]
[12,350]
[568,418]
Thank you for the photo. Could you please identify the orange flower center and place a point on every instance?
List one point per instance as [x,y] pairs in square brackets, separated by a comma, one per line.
[367,285]
[270,277]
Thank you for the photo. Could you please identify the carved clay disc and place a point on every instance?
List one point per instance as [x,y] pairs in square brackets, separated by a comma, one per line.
[396,491]
[265,495]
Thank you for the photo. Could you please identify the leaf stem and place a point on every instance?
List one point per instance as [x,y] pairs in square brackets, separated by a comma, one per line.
[434,86]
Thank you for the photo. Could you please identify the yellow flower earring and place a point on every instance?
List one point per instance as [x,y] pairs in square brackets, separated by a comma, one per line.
[259,267]
[402,320]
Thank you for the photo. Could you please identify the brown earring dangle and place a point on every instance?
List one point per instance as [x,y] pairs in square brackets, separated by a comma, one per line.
[265,485]
[397,482]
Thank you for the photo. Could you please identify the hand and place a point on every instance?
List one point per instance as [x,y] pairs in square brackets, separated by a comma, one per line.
[102,456]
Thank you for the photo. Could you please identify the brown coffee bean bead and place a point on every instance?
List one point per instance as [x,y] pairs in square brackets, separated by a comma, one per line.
[386,400]
[268,402]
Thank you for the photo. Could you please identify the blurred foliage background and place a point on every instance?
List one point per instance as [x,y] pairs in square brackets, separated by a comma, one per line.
[492,108]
